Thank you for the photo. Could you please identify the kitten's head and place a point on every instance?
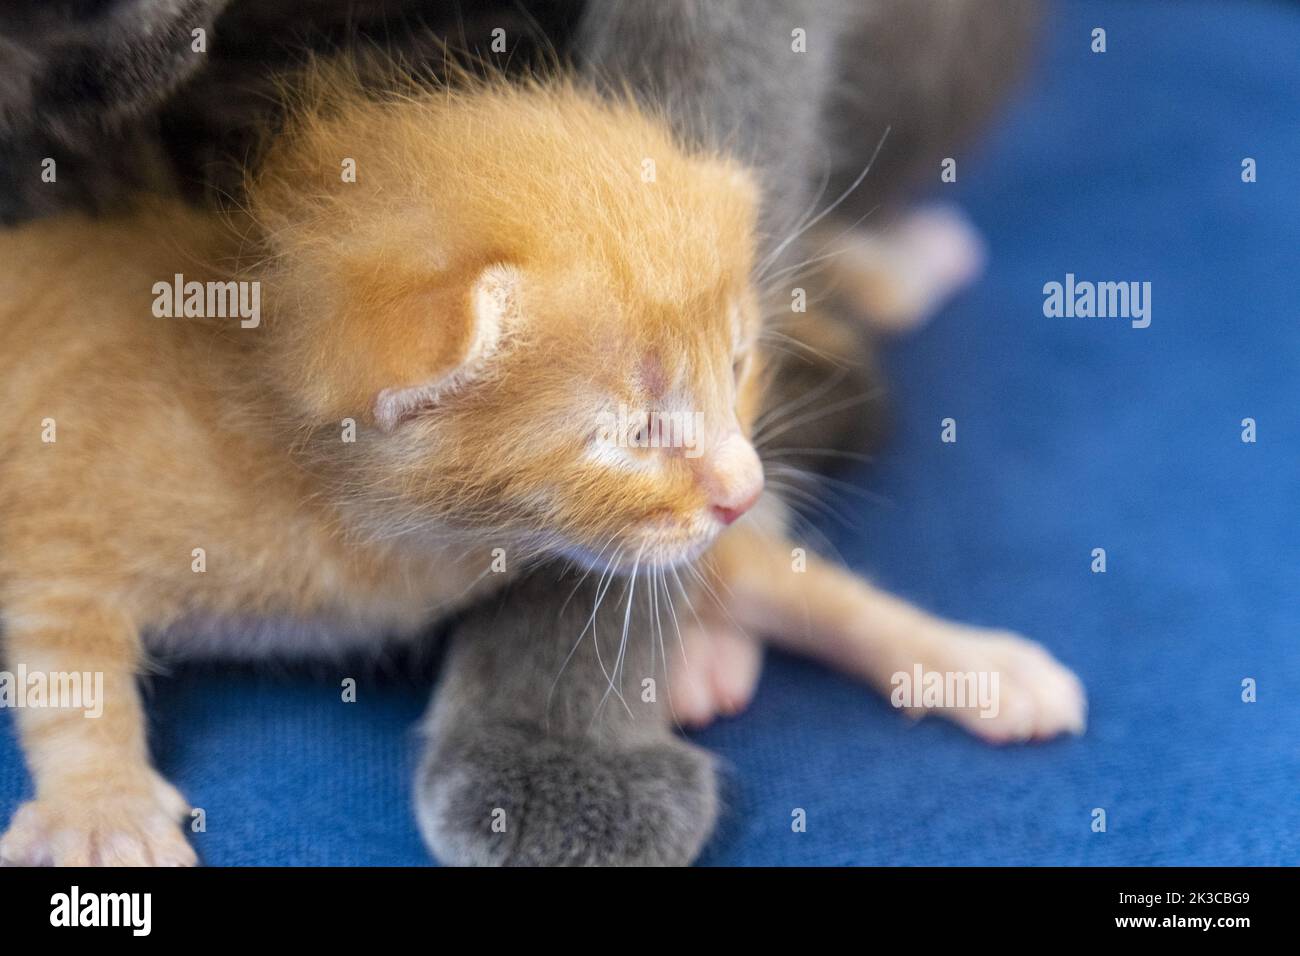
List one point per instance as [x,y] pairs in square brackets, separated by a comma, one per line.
[536,306]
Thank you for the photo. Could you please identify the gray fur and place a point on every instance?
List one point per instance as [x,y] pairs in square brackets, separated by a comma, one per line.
[112,90]
[514,728]
[927,71]
[82,85]
[724,72]
[81,66]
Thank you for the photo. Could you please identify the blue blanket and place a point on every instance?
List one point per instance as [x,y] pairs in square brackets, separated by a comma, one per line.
[1073,434]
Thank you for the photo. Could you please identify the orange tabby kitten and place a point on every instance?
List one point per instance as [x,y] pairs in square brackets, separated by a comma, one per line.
[458,291]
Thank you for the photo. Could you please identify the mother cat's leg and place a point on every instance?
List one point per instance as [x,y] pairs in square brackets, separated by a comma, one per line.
[547,746]
[98,800]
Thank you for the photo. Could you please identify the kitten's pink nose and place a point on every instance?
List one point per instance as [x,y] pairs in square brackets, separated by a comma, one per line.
[727,514]
[735,480]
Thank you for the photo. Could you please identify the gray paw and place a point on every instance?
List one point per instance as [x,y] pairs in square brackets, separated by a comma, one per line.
[512,796]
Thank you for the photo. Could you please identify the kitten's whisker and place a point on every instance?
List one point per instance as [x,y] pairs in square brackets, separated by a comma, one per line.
[810,209]
[771,347]
[767,419]
[652,572]
[594,561]
[630,596]
[721,605]
[691,607]
[601,586]
[770,282]
[807,529]
[663,649]
[801,270]
[770,259]
[804,348]
[672,610]
[818,506]
[796,498]
[813,203]
[813,416]
[591,622]
[709,566]
[840,484]
[827,452]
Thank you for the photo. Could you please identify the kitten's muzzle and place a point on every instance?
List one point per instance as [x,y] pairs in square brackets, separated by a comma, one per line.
[732,477]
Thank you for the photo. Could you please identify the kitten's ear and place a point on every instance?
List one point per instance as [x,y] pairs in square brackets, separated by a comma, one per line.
[381,336]
[435,341]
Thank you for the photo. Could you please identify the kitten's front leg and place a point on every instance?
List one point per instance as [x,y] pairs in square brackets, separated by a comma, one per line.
[98,801]
[820,610]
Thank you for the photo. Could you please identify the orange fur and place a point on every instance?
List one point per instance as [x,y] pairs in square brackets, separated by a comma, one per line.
[499,271]
[613,269]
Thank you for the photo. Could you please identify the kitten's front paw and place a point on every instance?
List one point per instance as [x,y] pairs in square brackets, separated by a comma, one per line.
[513,796]
[135,826]
[713,673]
[1035,697]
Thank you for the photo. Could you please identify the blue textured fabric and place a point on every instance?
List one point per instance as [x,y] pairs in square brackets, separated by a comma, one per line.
[1072,434]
